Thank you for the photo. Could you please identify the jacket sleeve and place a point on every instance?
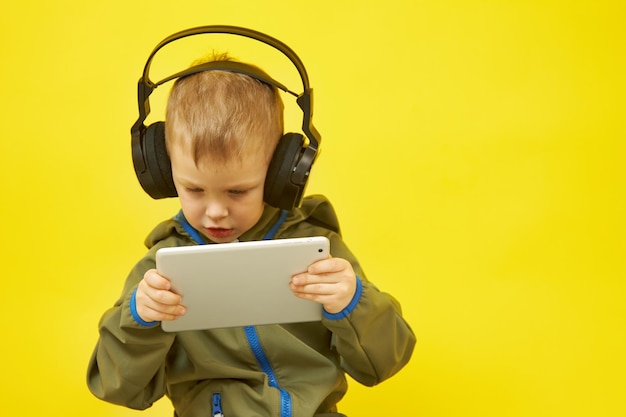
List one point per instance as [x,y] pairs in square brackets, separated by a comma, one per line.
[371,336]
[127,366]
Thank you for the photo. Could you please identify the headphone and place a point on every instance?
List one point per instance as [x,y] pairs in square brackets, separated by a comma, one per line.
[293,158]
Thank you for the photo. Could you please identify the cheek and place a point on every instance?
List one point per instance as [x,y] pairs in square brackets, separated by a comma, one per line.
[191,207]
[252,211]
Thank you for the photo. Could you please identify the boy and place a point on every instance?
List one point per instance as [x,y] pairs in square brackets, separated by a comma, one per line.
[221,132]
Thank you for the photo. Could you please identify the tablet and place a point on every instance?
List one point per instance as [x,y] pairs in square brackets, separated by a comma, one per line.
[242,283]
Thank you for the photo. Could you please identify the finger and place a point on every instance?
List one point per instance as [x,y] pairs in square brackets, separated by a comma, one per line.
[314,289]
[334,298]
[306,279]
[155,280]
[328,265]
[159,301]
[156,297]
[332,303]
[331,277]
[323,286]
[167,309]
[150,314]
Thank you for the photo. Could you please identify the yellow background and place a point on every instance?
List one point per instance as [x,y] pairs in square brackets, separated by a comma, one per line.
[474,151]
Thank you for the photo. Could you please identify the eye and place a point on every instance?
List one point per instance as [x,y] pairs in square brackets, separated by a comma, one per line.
[237,192]
[194,190]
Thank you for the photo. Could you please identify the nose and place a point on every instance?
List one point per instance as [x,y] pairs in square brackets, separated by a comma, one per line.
[216,210]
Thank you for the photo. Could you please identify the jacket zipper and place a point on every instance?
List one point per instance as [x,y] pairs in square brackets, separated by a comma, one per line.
[217,405]
[266,367]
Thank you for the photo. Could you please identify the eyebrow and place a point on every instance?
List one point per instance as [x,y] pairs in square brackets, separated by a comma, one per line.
[186,182]
[243,185]
[238,185]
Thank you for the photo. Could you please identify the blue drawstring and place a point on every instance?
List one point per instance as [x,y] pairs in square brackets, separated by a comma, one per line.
[283,216]
[193,233]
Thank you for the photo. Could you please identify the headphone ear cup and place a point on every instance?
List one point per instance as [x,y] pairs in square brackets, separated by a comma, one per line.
[280,191]
[157,179]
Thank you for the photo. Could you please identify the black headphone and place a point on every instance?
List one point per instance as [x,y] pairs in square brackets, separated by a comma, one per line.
[291,163]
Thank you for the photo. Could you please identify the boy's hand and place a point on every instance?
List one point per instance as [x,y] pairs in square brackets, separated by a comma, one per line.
[155,300]
[330,282]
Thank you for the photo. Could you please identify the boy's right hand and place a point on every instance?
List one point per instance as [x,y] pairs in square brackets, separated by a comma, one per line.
[154,299]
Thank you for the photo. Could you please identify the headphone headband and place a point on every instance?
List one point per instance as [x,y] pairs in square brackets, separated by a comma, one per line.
[232,30]
[230,66]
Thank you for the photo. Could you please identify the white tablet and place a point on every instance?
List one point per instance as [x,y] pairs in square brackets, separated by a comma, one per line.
[240,284]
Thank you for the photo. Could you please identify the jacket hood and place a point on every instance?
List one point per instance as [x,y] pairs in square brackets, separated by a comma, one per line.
[316,210]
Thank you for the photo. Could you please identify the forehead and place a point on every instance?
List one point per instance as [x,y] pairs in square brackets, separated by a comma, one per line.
[219,148]
[247,166]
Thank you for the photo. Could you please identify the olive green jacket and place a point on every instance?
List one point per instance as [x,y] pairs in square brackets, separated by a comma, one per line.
[284,370]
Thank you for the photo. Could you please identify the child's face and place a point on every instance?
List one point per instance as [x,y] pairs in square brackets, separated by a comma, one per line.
[223,200]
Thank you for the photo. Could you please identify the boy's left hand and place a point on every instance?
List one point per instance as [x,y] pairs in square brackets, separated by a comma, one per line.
[330,282]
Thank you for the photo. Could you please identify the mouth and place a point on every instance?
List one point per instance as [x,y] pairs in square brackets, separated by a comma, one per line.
[219,232]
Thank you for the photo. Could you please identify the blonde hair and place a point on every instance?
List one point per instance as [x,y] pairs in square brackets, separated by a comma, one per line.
[223,115]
